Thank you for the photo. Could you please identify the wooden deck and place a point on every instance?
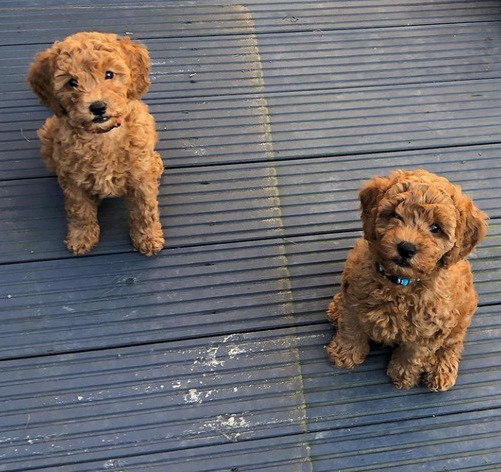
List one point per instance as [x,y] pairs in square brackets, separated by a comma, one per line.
[211,356]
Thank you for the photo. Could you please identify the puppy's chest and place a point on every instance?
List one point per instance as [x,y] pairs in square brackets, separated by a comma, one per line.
[98,169]
[404,320]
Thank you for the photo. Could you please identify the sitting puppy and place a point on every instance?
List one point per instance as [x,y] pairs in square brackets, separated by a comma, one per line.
[100,143]
[407,283]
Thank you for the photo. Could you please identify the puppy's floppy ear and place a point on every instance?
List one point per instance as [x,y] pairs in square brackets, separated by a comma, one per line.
[370,195]
[138,61]
[470,230]
[40,77]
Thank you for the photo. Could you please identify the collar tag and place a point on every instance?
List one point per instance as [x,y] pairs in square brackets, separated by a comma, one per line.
[393,278]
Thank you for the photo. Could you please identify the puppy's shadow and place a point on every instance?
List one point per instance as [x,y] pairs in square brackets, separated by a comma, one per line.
[113,220]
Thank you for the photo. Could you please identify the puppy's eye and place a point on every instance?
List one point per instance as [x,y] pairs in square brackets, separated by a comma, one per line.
[434,228]
[73,83]
[109,75]
[396,216]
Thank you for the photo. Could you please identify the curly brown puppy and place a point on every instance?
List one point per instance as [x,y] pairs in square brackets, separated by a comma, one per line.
[407,283]
[100,142]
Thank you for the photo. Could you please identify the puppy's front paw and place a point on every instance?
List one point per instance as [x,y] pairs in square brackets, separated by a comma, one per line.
[81,239]
[442,377]
[346,355]
[150,247]
[148,244]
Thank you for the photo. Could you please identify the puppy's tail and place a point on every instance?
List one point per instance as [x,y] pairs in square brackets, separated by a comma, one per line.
[333,309]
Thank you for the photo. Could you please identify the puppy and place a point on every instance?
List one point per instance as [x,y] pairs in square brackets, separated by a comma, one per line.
[100,141]
[407,283]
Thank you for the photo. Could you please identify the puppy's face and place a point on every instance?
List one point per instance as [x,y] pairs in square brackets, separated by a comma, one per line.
[91,86]
[415,227]
[417,221]
[90,78]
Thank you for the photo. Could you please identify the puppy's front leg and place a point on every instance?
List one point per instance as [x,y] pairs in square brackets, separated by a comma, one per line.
[144,219]
[81,214]
[442,374]
[407,364]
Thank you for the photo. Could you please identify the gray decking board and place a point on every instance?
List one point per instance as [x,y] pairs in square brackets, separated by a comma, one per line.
[200,17]
[272,454]
[364,396]
[189,67]
[224,203]
[210,357]
[219,114]
[313,191]
[385,119]
[23,26]
[175,397]
[112,300]
[235,388]
[90,302]
[235,129]
[282,455]
[391,451]
[203,205]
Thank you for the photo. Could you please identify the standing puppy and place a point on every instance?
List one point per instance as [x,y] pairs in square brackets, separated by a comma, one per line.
[100,142]
[407,283]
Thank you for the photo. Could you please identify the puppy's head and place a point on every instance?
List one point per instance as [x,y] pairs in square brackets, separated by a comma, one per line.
[90,78]
[417,221]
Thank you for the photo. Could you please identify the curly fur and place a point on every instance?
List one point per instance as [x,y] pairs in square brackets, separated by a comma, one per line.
[104,153]
[427,319]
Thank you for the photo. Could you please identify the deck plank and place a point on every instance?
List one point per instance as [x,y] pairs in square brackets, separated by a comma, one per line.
[278,381]
[112,300]
[235,202]
[98,302]
[176,397]
[188,67]
[238,129]
[19,20]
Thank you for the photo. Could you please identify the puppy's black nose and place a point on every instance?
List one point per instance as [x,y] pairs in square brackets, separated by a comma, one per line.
[97,108]
[406,250]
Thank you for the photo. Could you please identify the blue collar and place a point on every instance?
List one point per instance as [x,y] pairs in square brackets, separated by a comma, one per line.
[393,278]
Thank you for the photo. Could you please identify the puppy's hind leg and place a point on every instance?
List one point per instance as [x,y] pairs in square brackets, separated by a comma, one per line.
[350,345]
[333,309]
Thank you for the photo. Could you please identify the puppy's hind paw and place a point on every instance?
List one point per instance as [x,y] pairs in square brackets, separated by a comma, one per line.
[333,309]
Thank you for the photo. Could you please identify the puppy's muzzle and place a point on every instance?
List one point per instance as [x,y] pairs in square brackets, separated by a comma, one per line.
[98,109]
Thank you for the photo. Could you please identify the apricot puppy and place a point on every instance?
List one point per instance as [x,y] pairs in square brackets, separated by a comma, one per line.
[100,141]
[406,282]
